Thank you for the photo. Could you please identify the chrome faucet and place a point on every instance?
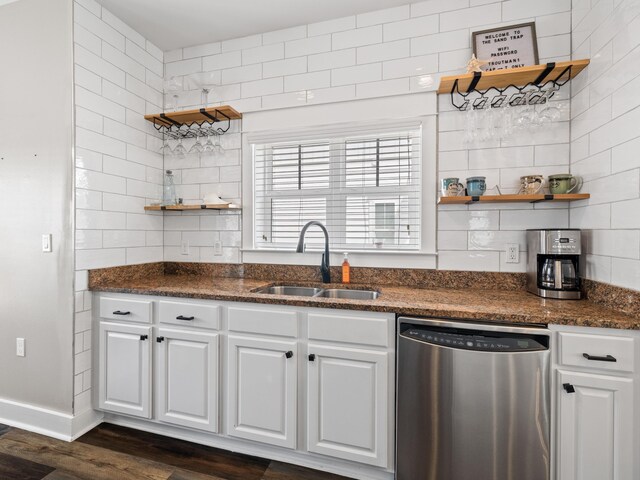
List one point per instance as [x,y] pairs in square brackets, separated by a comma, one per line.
[324,265]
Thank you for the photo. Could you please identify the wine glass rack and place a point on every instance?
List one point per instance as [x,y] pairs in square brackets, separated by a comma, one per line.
[201,122]
[531,85]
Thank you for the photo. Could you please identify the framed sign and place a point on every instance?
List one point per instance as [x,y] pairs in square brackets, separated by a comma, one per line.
[507,47]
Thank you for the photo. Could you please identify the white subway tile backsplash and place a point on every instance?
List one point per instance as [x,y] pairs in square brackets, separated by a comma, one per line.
[406,67]
[625,156]
[517,9]
[143,156]
[430,7]
[140,55]
[144,255]
[122,61]
[195,52]
[452,240]
[279,68]
[307,81]
[99,143]
[88,239]
[98,27]
[468,220]
[284,35]
[97,65]
[258,88]
[92,6]
[327,61]
[333,94]
[357,37]
[395,86]
[263,54]
[515,220]
[472,17]
[122,203]
[440,42]
[124,238]
[242,74]
[88,40]
[358,74]
[379,17]
[123,97]
[99,258]
[88,119]
[222,60]
[473,261]
[183,67]
[307,46]
[125,133]
[385,51]
[242,43]
[625,273]
[414,27]
[331,26]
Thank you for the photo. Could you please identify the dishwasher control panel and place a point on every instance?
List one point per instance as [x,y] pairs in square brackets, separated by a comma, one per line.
[470,340]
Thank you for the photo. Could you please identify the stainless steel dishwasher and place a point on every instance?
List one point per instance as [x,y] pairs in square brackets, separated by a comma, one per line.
[472,401]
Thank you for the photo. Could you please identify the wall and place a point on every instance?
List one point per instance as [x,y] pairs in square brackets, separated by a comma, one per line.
[36,288]
[398,51]
[118,79]
[605,137]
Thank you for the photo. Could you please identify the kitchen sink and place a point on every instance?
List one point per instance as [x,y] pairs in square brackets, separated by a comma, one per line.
[290,290]
[348,294]
[319,292]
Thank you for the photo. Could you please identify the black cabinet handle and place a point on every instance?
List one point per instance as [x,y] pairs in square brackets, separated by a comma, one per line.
[289,354]
[144,337]
[595,358]
[160,339]
[568,388]
[118,312]
[180,317]
[312,357]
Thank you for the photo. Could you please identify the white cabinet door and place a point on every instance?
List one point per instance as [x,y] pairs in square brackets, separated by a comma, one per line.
[124,369]
[347,404]
[187,376]
[595,433]
[262,391]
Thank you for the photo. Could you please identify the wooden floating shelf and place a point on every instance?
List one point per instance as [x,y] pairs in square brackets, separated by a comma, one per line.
[514,76]
[566,197]
[189,117]
[181,208]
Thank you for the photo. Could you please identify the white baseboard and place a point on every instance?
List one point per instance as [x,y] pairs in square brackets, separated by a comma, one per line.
[51,423]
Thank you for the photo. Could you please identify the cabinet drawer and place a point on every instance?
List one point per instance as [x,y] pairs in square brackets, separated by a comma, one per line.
[126,310]
[363,330]
[190,314]
[263,320]
[574,346]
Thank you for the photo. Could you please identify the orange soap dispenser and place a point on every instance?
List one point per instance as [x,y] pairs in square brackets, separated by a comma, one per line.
[346,269]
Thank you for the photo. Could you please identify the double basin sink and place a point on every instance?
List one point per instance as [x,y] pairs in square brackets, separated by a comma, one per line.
[319,292]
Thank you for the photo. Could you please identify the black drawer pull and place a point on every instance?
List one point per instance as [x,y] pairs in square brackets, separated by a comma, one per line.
[118,312]
[181,317]
[160,339]
[312,357]
[289,354]
[144,337]
[568,388]
[595,358]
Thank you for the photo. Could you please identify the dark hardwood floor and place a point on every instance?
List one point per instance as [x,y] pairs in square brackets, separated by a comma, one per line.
[110,452]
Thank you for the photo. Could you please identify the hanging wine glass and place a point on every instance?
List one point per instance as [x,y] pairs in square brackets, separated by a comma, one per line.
[205,81]
[179,150]
[197,147]
[165,149]
[218,149]
[172,87]
[209,147]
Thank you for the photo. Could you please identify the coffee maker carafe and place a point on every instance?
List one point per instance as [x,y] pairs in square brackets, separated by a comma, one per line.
[553,266]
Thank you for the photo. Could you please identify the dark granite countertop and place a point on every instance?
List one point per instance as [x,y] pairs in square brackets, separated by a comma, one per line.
[500,306]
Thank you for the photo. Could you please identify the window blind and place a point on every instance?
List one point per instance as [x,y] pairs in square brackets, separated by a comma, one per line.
[364,188]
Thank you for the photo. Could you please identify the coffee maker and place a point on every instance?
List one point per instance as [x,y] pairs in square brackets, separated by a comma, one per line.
[553,263]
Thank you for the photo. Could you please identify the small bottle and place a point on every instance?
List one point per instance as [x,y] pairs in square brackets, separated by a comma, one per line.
[169,190]
[346,269]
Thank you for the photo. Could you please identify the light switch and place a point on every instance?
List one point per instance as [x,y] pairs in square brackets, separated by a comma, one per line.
[20,347]
[46,243]
[217,248]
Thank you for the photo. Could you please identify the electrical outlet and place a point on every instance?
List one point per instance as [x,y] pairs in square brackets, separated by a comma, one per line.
[20,347]
[217,248]
[46,243]
[513,253]
[184,247]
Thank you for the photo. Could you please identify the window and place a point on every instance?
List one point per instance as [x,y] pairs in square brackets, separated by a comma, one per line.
[365,188]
